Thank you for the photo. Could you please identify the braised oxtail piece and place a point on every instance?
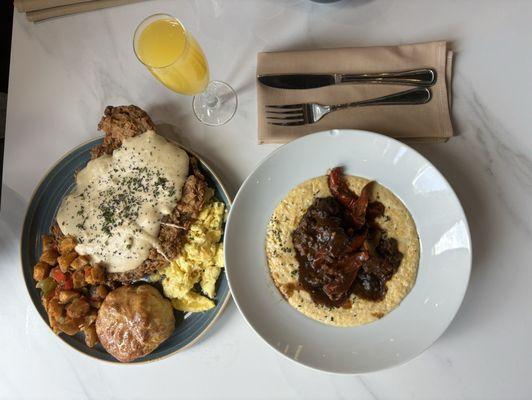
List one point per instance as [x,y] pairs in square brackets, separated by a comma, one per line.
[341,249]
[356,206]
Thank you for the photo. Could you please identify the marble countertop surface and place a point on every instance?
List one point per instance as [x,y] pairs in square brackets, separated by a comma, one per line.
[65,71]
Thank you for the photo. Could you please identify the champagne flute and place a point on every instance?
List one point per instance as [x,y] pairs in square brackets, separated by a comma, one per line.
[175,58]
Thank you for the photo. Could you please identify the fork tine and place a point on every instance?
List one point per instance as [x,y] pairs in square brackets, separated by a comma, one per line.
[285,106]
[296,123]
[286,112]
[285,118]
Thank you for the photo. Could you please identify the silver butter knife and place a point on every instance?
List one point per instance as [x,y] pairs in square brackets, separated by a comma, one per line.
[419,77]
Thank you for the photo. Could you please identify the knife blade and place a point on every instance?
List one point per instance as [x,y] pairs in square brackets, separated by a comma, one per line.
[419,77]
[297,81]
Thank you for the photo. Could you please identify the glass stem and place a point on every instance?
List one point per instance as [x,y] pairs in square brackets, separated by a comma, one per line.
[210,96]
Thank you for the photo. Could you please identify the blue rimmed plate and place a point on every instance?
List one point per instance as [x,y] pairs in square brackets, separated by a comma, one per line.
[40,215]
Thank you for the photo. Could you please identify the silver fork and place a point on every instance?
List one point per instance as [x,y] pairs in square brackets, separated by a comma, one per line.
[309,113]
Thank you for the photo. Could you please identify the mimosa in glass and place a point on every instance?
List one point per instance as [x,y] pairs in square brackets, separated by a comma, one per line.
[175,58]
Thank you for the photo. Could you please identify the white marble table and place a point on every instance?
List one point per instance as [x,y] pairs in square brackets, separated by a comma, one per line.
[63,73]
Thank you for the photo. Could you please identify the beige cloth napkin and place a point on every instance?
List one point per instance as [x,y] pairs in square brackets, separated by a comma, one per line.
[429,122]
[38,10]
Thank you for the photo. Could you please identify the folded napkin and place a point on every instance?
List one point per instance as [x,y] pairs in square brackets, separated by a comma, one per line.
[38,10]
[429,122]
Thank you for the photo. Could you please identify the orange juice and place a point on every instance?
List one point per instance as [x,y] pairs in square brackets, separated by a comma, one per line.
[173,56]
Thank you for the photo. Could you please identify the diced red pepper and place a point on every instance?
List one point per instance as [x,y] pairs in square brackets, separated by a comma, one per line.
[68,285]
[58,275]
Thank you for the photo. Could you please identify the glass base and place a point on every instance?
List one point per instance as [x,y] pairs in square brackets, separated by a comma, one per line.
[216,105]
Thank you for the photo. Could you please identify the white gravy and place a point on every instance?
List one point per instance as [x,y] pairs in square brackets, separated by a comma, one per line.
[116,208]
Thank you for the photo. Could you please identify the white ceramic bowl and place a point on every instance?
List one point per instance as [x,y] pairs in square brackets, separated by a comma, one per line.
[444,267]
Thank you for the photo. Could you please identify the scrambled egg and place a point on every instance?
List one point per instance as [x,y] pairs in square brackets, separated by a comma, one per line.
[200,262]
